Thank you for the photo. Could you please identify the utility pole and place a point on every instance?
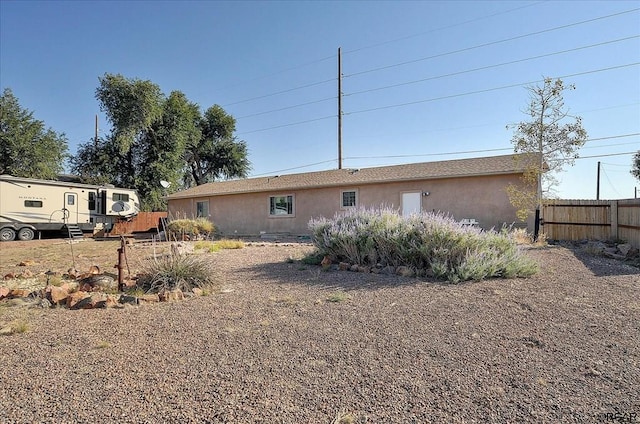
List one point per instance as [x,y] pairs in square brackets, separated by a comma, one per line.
[339,109]
[598,183]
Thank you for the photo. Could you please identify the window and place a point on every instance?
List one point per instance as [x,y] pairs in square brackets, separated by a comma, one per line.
[349,199]
[33,203]
[280,205]
[92,201]
[202,209]
[71,199]
[120,196]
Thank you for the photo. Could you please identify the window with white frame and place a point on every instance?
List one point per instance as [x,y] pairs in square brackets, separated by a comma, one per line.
[202,209]
[280,205]
[349,199]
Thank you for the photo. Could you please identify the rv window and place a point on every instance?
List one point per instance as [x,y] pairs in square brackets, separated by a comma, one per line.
[33,203]
[92,201]
[71,199]
[120,196]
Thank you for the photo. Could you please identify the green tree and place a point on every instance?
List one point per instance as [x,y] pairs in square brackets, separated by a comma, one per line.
[155,138]
[27,149]
[635,167]
[216,153]
[553,136]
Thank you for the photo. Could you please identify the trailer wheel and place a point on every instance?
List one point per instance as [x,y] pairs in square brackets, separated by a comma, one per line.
[7,234]
[26,234]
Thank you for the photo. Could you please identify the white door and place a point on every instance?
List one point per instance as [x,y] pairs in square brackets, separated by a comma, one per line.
[411,203]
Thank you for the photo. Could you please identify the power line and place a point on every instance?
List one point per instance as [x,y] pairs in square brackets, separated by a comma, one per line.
[297,167]
[288,107]
[442,28]
[492,66]
[612,186]
[288,125]
[490,43]
[281,92]
[487,90]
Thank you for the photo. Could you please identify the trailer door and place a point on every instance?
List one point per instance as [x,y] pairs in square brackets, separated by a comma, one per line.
[70,208]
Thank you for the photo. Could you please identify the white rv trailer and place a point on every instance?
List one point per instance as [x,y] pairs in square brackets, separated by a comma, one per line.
[28,206]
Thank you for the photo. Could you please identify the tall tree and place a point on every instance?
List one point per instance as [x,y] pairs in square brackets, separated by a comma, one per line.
[155,138]
[27,149]
[635,167]
[553,135]
[217,153]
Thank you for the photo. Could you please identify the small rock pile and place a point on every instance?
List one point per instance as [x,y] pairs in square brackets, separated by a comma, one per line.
[89,291]
[620,251]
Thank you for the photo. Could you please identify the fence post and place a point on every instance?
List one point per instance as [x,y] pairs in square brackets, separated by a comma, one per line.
[613,210]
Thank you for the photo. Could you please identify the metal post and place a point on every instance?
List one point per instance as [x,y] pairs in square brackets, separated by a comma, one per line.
[121,260]
[339,109]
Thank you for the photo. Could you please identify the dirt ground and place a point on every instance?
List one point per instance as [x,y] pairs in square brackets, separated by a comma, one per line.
[283,342]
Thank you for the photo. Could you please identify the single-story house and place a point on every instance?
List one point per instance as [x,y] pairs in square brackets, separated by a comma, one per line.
[471,189]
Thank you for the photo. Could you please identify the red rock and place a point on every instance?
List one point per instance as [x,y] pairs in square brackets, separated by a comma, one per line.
[326,261]
[57,295]
[27,262]
[9,276]
[78,299]
[149,298]
[4,292]
[19,293]
[344,266]
[26,274]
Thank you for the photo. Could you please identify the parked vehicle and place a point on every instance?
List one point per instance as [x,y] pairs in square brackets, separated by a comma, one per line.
[29,206]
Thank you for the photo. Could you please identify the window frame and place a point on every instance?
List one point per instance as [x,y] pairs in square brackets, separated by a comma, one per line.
[202,202]
[287,215]
[28,203]
[355,198]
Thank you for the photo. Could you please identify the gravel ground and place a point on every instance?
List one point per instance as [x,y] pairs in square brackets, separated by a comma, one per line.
[270,347]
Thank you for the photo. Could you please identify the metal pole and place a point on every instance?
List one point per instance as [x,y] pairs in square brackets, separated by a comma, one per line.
[598,183]
[339,109]
[121,259]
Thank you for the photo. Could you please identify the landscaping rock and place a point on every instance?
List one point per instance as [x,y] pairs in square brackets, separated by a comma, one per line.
[78,300]
[4,292]
[170,296]
[57,295]
[100,281]
[125,299]
[343,266]
[149,298]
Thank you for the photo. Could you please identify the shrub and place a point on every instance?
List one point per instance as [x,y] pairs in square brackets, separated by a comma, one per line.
[171,272]
[191,227]
[428,241]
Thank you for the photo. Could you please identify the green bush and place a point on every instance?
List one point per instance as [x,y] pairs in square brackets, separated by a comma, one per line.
[171,272]
[428,241]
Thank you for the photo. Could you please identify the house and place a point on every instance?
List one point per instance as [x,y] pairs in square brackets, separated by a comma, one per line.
[472,189]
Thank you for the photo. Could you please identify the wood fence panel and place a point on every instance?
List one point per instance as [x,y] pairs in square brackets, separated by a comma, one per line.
[592,220]
[141,223]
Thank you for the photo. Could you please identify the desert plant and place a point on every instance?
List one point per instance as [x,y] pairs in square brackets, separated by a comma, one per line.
[337,297]
[434,241]
[229,244]
[190,227]
[172,272]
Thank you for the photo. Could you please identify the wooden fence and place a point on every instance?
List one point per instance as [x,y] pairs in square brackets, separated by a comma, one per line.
[592,220]
[142,223]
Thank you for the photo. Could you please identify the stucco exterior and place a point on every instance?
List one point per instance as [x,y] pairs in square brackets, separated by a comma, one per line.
[247,214]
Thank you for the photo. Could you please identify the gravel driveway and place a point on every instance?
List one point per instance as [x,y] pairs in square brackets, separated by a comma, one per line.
[283,342]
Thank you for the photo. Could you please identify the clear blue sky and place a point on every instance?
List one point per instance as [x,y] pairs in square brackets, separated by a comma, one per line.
[421,80]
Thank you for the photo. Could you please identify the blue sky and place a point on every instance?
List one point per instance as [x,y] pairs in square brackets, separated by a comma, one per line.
[422,81]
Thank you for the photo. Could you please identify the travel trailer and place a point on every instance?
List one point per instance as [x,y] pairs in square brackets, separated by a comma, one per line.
[29,206]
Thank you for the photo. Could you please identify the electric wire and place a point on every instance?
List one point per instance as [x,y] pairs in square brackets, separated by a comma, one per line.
[281,92]
[490,43]
[482,68]
[504,87]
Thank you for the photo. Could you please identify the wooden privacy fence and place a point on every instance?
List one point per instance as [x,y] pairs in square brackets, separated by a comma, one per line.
[592,220]
[142,223]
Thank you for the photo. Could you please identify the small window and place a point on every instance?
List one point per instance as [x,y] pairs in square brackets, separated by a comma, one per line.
[349,199]
[71,199]
[92,201]
[280,205]
[33,203]
[120,197]
[202,209]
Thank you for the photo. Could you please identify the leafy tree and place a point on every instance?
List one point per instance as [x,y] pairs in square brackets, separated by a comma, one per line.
[156,138]
[553,136]
[27,149]
[635,167]
[217,153]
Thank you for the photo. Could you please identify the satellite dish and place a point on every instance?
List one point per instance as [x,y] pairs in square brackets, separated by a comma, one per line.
[165,184]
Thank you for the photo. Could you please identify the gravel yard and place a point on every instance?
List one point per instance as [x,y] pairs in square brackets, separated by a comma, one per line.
[283,342]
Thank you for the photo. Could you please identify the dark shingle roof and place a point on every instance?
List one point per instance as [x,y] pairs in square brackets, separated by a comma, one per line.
[494,165]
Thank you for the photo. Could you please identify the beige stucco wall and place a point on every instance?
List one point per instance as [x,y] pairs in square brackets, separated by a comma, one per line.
[482,198]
